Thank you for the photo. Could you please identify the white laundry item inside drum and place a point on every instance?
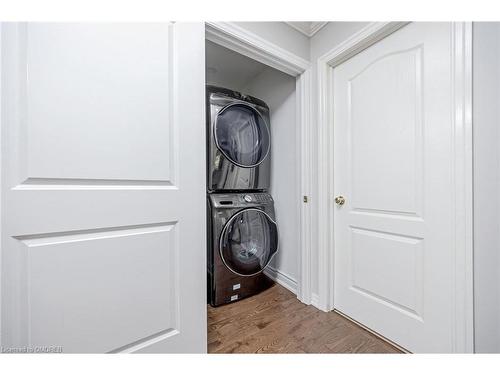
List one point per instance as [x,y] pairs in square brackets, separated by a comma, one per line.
[248,242]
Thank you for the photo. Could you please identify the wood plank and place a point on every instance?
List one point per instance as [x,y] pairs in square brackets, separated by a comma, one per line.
[275,321]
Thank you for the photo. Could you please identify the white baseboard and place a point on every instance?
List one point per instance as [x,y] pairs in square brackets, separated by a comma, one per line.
[315,300]
[282,278]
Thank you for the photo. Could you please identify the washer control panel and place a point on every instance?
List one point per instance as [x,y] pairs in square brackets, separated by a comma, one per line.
[229,200]
[258,198]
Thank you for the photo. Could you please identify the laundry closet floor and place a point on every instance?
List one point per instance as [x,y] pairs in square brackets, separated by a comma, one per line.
[275,321]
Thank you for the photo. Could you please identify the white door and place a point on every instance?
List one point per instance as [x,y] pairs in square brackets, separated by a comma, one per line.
[103,179]
[394,238]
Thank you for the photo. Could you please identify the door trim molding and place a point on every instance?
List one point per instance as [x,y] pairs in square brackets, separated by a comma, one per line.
[238,39]
[462,169]
[463,193]
[1,181]
[304,137]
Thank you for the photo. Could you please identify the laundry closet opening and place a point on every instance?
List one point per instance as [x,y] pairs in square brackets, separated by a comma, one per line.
[230,70]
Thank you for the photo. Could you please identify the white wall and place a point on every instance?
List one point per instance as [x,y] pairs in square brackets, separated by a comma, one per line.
[486,116]
[229,69]
[277,89]
[280,34]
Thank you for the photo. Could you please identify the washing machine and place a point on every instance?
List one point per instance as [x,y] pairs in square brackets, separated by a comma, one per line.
[243,239]
[238,141]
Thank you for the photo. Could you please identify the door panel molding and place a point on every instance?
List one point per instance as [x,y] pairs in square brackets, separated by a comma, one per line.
[462,169]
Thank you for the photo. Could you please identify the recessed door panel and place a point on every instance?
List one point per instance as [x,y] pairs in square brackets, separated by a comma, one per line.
[97,102]
[385,124]
[388,269]
[111,287]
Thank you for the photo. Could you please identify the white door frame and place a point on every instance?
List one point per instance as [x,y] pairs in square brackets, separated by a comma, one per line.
[463,340]
[238,39]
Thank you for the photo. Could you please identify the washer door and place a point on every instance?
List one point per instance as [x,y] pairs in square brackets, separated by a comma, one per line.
[242,135]
[248,242]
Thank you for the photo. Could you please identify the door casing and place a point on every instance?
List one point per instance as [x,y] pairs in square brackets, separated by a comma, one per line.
[463,338]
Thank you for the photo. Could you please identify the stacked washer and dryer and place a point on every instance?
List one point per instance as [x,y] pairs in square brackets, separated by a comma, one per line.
[241,227]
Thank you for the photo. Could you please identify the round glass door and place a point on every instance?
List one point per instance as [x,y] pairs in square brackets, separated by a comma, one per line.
[248,242]
[242,135]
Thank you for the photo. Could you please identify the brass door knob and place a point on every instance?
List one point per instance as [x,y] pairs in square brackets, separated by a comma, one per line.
[340,200]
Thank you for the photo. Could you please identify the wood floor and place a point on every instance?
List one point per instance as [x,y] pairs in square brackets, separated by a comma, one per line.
[275,321]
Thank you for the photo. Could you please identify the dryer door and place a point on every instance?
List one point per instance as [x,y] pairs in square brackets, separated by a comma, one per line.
[248,242]
[242,135]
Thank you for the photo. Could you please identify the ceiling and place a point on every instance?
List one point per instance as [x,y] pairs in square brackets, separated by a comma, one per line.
[307,28]
[230,69]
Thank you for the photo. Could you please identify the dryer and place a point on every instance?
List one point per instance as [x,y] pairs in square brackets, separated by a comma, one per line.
[239,141]
[243,238]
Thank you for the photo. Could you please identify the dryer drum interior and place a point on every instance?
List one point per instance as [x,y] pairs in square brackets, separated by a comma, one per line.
[242,135]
